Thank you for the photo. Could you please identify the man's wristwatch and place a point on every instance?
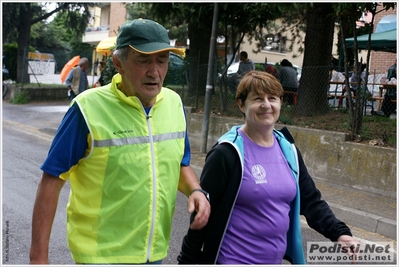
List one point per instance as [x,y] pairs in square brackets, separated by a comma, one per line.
[203,192]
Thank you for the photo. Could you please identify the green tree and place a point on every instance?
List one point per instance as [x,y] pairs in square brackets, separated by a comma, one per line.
[235,21]
[313,89]
[348,14]
[145,10]
[68,43]
[52,38]
[19,17]
[198,18]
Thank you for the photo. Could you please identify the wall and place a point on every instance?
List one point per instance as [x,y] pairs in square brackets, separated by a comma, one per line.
[328,155]
[39,94]
[273,56]
[117,17]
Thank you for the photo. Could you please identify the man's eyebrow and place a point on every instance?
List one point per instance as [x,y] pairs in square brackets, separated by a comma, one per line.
[164,55]
[143,55]
[147,56]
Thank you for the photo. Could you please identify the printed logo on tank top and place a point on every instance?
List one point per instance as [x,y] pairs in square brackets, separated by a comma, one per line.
[259,173]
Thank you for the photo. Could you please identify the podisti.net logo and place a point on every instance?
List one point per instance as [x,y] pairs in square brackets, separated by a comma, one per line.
[334,252]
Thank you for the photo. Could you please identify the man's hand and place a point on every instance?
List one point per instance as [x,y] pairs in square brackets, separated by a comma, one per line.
[197,202]
[351,244]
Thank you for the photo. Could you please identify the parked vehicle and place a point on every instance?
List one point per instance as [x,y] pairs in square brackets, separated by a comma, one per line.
[234,68]
[176,72]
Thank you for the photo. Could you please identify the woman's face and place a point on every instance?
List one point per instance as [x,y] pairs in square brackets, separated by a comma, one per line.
[261,110]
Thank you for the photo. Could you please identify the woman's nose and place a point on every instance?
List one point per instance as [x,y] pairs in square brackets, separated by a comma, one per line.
[265,104]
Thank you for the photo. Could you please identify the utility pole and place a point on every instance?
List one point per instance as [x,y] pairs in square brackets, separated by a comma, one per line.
[209,80]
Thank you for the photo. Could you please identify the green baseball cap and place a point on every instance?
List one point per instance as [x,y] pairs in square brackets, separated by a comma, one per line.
[145,36]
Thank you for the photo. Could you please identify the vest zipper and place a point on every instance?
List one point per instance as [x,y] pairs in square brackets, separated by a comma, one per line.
[154,187]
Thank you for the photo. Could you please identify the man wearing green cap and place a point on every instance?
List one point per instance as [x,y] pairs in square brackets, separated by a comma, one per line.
[125,151]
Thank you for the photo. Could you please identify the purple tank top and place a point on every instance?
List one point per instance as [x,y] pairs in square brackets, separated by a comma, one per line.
[256,233]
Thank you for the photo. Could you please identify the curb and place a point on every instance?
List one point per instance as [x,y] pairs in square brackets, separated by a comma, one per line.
[365,221]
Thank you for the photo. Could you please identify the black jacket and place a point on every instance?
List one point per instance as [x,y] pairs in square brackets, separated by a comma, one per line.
[221,177]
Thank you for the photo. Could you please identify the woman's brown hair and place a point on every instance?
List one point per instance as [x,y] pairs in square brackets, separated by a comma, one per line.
[260,83]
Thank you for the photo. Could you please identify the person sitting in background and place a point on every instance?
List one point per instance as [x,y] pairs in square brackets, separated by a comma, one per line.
[353,79]
[388,107]
[289,81]
[392,72]
[245,66]
[353,83]
[272,70]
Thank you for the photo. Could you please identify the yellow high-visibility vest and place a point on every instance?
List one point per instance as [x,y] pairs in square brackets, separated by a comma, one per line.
[123,192]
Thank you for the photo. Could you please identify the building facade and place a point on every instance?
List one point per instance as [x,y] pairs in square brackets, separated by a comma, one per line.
[106,21]
[381,61]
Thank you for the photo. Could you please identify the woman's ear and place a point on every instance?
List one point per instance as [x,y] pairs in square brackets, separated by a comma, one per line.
[240,105]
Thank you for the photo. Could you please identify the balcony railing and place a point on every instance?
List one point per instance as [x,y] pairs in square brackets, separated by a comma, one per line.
[97,29]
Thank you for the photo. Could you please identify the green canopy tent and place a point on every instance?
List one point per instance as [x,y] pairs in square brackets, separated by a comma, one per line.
[380,41]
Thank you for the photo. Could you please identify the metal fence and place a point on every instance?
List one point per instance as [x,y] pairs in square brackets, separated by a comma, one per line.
[178,78]
[336,94]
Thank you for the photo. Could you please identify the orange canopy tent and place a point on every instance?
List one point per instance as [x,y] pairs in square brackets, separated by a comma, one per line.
[104,47]
[68,66]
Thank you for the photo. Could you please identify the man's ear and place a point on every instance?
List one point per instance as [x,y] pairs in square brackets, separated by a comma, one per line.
[117,64]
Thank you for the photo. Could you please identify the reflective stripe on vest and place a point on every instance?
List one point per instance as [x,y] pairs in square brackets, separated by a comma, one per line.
[138,140]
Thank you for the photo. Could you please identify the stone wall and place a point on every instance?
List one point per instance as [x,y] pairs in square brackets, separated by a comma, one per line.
[328,155]
[36,94]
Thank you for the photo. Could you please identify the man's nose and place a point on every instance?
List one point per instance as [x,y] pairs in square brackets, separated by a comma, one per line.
[153,69]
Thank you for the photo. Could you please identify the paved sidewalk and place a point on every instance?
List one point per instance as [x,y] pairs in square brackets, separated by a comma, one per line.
[371,212]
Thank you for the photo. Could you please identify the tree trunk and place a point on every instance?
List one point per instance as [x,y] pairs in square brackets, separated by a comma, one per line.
[23,42]
[200,36]
[314,83]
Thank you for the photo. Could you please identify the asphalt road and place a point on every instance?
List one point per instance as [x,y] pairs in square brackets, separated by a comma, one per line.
[27,134]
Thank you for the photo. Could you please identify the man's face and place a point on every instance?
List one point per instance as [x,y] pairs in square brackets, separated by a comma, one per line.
[143,75]
[85,66]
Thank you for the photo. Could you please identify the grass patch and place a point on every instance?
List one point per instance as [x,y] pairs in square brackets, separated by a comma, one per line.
[20,98]
[41,85]
[373,127]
